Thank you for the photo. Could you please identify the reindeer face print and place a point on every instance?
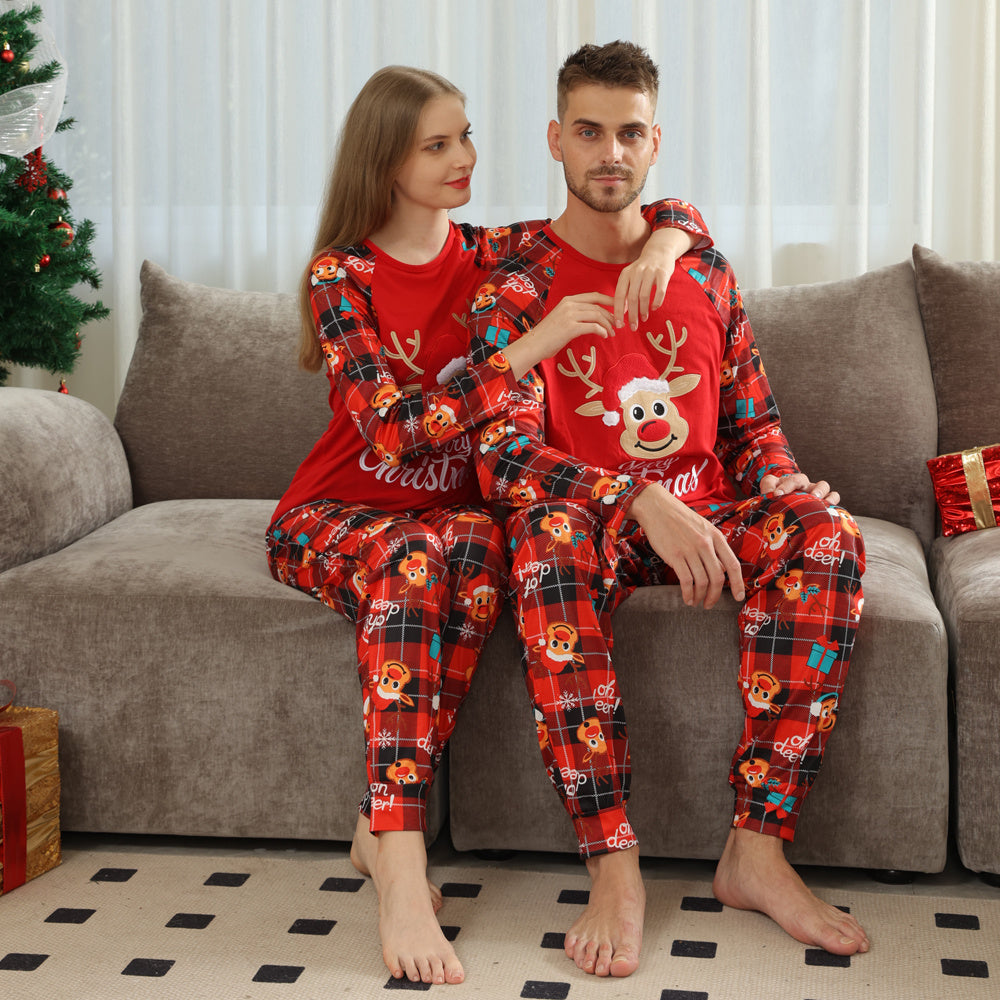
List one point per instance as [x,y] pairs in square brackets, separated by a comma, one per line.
[760,691]
[333,354]
[790,584]
[403,772]
[824,710]
[393,677]
[558,528]
[440,420]
[754,771]
[485,297]
[384,397]
[413,569]
[776,535]
[386,455]
[479,597]
[558,648]
[590,735]
[326,269]
[653,425]
[638,398]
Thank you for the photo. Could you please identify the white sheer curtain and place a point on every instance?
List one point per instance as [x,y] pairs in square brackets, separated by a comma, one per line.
[819,139]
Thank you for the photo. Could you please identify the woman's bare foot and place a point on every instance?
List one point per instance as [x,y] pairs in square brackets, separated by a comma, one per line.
[753,874]
[364,851]
[606,938]
[413,944]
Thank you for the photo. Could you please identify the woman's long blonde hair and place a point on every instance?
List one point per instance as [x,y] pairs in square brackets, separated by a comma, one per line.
[376,138]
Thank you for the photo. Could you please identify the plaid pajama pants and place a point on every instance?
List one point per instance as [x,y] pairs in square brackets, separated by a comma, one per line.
[424,592]
[802,563]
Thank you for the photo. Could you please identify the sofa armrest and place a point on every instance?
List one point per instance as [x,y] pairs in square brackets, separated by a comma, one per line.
[63,473]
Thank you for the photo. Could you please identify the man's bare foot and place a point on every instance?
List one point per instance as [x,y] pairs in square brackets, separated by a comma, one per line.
[364,850]
[753,874]
[413,944]
[606,938]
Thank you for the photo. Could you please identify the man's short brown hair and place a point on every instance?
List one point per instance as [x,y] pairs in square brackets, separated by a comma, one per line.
[616,64]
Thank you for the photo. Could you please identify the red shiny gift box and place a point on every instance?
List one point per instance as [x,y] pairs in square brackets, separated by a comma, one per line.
[29,794]
[967,488]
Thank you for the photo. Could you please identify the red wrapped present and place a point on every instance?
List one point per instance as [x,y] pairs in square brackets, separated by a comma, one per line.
[967,488]
[29,794]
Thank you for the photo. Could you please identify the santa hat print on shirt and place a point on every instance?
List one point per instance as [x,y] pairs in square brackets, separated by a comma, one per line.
[630,374]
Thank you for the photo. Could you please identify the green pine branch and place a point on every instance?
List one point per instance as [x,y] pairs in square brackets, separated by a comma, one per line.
[41,260]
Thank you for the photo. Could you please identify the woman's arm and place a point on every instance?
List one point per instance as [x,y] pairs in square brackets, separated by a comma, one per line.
[398,423]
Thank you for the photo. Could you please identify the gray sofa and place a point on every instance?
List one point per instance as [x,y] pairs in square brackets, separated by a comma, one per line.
[198,696]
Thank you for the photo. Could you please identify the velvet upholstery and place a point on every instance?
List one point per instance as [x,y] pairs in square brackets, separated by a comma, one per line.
[216,408]
[62,473]
[848,366]
[196,695]
[960,304]
[199,696]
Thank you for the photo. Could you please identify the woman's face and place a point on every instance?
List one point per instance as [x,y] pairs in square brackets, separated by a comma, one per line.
[438,170]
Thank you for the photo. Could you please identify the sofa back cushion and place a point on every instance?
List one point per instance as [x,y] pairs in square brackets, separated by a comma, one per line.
[214,404]
[960,305]
[848,366]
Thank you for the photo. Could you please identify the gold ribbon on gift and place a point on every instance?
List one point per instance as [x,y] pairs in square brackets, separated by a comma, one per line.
[979,488]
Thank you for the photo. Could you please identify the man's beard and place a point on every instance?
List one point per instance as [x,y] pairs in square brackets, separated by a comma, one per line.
[606,201]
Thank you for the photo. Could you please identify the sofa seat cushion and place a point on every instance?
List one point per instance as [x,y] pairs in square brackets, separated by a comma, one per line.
[965,570]
[197,695]
[685,713]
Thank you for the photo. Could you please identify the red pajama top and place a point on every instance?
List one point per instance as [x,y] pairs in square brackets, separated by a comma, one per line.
[406,399]
[683,401]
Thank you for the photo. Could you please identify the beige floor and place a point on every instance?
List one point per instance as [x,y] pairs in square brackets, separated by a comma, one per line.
[955,880]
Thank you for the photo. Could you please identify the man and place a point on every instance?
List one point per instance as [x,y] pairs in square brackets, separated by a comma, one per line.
[619,479]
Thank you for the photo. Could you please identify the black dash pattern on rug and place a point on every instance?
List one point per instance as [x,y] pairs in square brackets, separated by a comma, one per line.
[231,879]
[538,989]
[191,921]
[65,915]
[826,959]
[701,904]
[462,890]
[694,949]
[342,884]
[154,967]
[113,874]
[965,967]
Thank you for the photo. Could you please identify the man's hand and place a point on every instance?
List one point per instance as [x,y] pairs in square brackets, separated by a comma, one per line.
[573,316]
[691,546]
[642,285]
[799,481]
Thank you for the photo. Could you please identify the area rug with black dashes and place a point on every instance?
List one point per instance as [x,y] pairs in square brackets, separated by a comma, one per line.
[214,927]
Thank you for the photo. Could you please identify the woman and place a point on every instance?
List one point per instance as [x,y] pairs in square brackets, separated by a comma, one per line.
[383,520]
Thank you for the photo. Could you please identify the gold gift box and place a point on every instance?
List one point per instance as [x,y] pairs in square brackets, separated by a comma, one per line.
[40,733]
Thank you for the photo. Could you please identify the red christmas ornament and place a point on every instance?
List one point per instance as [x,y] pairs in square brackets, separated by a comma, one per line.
[68,233]
[44,260]
[8,53]
[57,194]
[62,387]
[36,172]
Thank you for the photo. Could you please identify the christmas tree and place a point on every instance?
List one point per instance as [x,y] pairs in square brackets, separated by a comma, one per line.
[44,253]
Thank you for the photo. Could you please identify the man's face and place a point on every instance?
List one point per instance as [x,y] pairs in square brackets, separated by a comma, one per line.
[606,143]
